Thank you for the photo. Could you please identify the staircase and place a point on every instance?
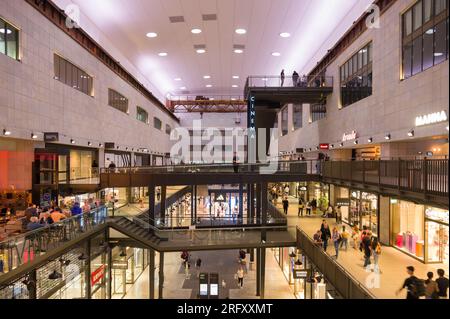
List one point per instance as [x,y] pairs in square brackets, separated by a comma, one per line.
[138,230]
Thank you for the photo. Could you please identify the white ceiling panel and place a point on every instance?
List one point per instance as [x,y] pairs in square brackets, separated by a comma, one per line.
[121,27]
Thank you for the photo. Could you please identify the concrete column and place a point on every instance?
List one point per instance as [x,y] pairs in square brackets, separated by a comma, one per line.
[258,203]
[101,158]
[161,275]
[264,210]
[151,270]
[162,205]
[263,272]
[258,271]
[241,202]
[252,202]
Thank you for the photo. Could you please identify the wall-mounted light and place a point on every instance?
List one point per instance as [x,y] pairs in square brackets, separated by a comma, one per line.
[369,140]
[117,147]
[89,144]
[411,133]
[332,146]
[34,136]
[100,145]
[387,137]
[6,132]
[355,142]
[341,145]
[317,148]
[72,141]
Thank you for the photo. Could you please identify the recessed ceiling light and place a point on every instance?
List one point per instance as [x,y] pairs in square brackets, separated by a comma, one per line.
[152,35]
[234,85]
[387,137]
[8,31]
[233,99]
[196,31]
[162,54]
[183,88]
[177,79]
[200,51]
[411,133]
[438,54]
[235,76]
[285,34]
[265,79]
[241,31]
[276,53]
[238,51]
[206,76]
[208,85]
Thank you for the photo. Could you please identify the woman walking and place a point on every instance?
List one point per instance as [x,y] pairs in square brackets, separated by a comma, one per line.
[240,277]
[336,237]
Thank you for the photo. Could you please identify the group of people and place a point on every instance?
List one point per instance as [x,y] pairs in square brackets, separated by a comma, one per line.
[364,241]
[306,205]
[296,80]
[7,210]
[430,289]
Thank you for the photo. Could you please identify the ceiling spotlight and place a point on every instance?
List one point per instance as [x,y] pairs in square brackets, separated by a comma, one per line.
[238,51]
[331,145]
[370,140]
[285,34]
[208,85]
[34,136]
[100,145]
[6,132]
[126,148]
[152,35]
[411,133]
[72,141]
[355,142]
[201,51]
[206,76]
[234,86]
[387,137]
[196,31]
[177,79]
[162,54]
[89,144]
[276,53]
[241,31]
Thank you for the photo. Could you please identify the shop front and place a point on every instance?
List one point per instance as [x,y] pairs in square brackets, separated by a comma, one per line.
[420,231]
[364,211]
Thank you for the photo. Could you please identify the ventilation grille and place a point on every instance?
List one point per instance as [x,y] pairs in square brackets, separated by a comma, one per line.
[199,46]
[176,19]
[238,46]
[209,17]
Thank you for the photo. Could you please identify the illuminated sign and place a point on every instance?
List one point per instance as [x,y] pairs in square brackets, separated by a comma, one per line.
[251,117]
[324,146]
[299,274]
[342,202]
[349,137]
[51,137]
[432,118]
[97,275]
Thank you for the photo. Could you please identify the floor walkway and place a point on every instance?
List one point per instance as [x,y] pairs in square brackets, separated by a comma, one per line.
[392,262]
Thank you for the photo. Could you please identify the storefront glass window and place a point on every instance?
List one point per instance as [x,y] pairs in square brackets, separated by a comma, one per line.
[436,229]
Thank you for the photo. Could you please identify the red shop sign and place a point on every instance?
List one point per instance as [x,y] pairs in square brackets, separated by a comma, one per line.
[324,146]
[97,275]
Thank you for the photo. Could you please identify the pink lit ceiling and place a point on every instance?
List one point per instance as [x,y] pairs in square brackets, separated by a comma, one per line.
[120,26]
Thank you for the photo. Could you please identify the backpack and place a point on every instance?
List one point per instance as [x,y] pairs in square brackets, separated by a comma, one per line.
[417,287]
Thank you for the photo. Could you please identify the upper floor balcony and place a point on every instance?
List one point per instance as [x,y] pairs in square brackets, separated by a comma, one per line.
[288,89]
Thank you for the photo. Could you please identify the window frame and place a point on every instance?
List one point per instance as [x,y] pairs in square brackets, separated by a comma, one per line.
[6,25]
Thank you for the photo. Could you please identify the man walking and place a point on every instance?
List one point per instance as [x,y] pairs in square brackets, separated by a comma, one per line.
[285,205]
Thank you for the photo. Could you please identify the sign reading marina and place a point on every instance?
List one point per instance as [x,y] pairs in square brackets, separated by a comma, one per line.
[432,118]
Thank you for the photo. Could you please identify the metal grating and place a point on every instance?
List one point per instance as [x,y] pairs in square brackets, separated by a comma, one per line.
[238,46]
[209,17]
[199,46]
[176,19]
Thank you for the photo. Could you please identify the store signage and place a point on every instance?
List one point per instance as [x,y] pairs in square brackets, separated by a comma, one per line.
[324,146]
[252,117]
[303,189]
[97,275]
[299,150]
[349,137]
[110,145]
[219,198]
[51,137]
[120,264]
[432,118]
[300,274]
[342,202]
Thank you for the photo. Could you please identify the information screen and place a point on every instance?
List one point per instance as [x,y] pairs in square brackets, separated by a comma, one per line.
[214,290]
[203,289]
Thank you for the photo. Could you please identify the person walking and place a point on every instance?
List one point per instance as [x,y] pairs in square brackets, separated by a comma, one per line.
[295,77]
[338,215]
[240,277]
[308,208]
[158,194]
[413,285]
[366,249]
[344,238]
[336,238]
[376,252]
[442,283]
[282,76]
[431,287]
[355,237]
[285,205]
[326,235]
[235,163]
[301,205]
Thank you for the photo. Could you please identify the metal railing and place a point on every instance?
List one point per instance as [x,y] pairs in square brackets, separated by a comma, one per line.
[270,81]
[347,285]
[206,98]
[297,167]
[21,249]
[429,176]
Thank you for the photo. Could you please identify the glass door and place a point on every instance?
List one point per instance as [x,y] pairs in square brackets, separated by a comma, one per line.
[437,241]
